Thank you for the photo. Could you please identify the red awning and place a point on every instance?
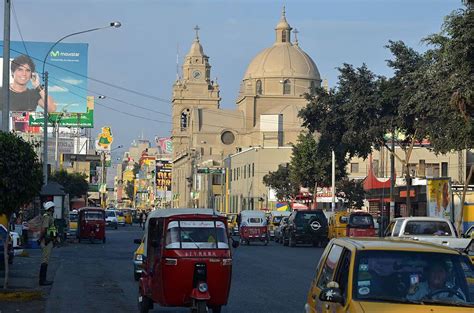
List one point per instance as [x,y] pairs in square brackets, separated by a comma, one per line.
[372,182]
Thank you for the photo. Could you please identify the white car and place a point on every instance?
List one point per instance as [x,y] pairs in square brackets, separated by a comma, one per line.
[111,218]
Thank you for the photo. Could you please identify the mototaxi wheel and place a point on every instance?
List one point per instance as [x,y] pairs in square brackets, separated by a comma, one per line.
[201,307]
[145,304]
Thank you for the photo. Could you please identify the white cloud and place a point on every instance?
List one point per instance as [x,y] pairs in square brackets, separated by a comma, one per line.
[72,81]
[57,89]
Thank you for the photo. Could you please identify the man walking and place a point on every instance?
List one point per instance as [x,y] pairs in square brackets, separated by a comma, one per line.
[48,235]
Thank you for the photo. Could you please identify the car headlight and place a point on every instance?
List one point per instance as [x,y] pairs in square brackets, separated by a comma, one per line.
[202,287]
[139,257]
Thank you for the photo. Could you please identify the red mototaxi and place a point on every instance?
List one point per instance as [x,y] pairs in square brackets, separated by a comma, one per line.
[91,224]
[187,260]
[360,224]
[253,227]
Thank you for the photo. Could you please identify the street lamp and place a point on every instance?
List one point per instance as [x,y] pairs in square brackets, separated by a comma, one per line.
[45,80]
[104,173]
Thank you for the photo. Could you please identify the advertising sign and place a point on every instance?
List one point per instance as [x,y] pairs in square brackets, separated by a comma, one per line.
[165,144]
[163,175]
[438,193]
[66,65]
[104,139]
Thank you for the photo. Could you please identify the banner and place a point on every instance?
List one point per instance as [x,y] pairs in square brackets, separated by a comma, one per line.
[438,193]
[165,144]
[66,65]
[104,139]
[163,175]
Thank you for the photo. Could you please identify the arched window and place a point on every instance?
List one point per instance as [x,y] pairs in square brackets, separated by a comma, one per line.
[286,87]
[259,87]
[184,119]
[283,36]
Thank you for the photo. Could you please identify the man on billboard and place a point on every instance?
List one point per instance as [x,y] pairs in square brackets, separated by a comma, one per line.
[22,98]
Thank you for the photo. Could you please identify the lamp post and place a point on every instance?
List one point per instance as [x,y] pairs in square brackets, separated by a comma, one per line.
[104,173]
[45,80]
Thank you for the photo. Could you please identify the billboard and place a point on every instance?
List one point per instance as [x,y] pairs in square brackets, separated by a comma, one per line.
[438,193]
[66,65]
[163,175]
[165,144]
[104,139]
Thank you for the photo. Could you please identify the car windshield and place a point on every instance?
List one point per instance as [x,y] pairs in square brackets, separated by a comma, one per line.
[73,217]
[89,216]
[110,213]
[196,235]
[415,277]
[120,213]
[304,217]
[430,228]
[361,220]
[277,220]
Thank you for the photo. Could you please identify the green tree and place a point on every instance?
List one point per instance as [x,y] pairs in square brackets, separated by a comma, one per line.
[20,179]
[352,192]
[75,184]
[129,190]
[311,163]
[279,181]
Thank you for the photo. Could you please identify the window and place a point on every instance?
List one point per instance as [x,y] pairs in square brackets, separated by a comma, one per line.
[430,228]
[259,89]
[342,274]
[354,167]
[397,227]
[286,87]
[444,169]
[253,169]
[283,36]
[244,169]
[432,169]
[184,119]
[329,266]
[227,138]
[196,234]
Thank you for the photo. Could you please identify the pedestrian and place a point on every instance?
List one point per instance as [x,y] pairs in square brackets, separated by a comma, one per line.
[140,218]
[144,216]
[47,237]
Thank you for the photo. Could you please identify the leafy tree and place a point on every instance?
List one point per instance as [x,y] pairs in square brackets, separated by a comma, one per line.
[352,191]
[20,179]
[75,184]
[129,189]
[311,163]
[279,181]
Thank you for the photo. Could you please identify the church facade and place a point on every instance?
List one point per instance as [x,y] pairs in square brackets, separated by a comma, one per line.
[266,114]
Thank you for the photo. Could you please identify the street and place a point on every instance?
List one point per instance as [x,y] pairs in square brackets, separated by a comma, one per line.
[99,277]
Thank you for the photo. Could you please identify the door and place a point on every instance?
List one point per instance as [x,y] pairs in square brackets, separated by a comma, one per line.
[342,278]
[324,276]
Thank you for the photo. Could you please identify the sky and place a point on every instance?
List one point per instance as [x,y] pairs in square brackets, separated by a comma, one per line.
[134,66]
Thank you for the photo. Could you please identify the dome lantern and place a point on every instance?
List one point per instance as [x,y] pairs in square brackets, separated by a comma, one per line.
[283,29]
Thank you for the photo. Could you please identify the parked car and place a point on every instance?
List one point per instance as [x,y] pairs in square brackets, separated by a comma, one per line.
[274,221]
[391,275]
[138,259]
[111,218]
[306,227]
[433,229]
[280,229]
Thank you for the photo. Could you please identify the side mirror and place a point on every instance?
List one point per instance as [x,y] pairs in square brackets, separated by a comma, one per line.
[137,241]
[331,294]
[235,244]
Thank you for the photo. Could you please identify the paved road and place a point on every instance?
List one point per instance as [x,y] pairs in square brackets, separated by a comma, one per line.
[99,277]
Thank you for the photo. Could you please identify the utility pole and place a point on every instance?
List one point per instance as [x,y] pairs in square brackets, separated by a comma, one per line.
[103,180]
[392,178]
[333,180]
[6,68]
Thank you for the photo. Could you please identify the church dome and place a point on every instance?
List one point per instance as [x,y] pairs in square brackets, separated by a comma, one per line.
[283,59]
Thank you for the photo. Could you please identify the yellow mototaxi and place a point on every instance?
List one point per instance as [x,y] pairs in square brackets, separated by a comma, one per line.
[337,224]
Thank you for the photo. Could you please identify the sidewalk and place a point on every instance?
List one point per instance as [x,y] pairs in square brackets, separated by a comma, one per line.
[24,293]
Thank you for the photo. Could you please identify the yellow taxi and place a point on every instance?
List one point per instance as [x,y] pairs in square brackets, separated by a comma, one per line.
[138,259]
[389,275]
[337,224]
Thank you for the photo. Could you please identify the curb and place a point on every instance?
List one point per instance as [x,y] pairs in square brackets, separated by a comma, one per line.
[20,295]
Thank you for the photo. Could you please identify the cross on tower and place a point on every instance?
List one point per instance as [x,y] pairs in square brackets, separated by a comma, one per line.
[296,32]
[197,31]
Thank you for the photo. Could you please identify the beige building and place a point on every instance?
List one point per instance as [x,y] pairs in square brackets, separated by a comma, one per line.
[266,114]
[423,163]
